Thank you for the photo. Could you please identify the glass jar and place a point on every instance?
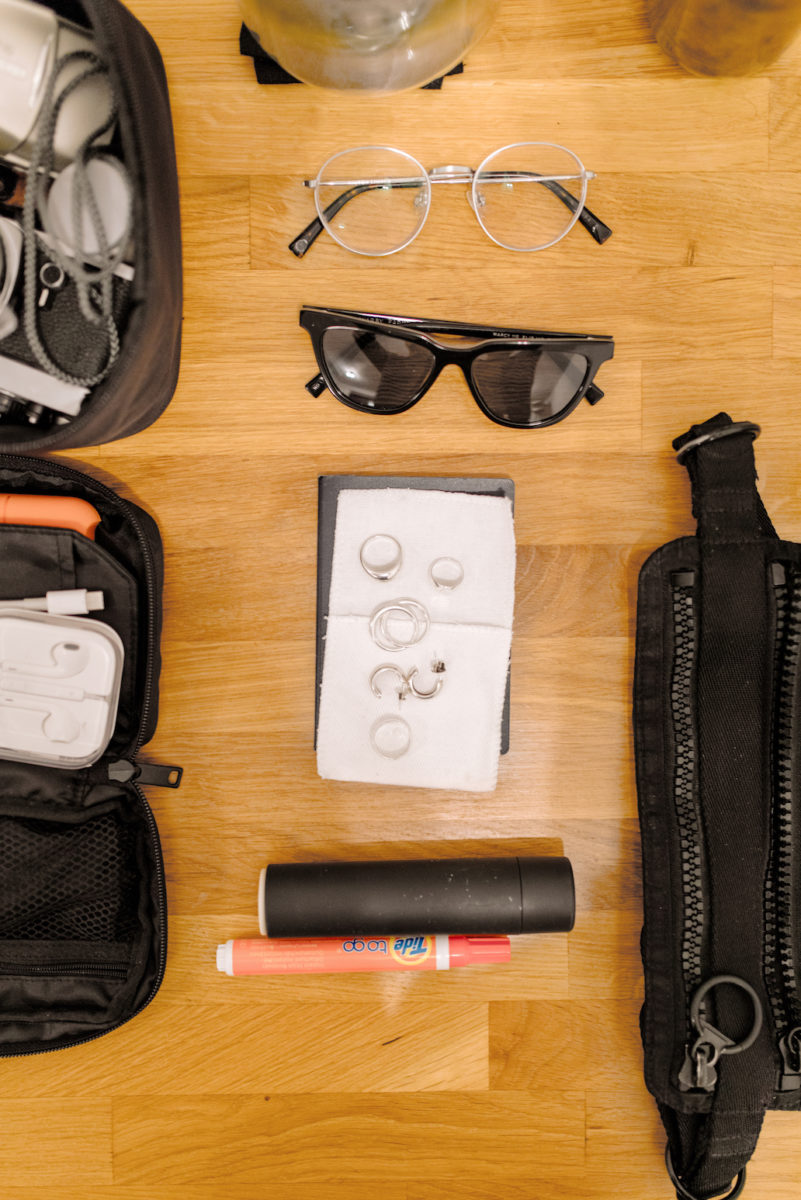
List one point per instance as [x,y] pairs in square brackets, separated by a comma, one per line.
[367,45]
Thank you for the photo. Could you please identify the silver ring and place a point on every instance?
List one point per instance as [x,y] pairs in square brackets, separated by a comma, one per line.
[381,556]
[385,622]
[390,737]
[446,573]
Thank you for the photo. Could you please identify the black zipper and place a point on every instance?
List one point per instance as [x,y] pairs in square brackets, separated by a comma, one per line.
[685,777]
[697,1072]
[87,970]
[781,917]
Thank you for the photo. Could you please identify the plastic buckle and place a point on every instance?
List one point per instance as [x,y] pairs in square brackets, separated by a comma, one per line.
[681,1191]
[713,435]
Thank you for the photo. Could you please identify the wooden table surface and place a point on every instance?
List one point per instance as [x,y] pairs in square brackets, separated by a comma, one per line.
[513,1083]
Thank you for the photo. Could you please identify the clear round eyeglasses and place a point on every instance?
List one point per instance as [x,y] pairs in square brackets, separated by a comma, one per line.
[374,200]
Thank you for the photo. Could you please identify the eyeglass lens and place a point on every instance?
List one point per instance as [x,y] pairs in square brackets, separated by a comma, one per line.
[528,196]
[376,371]
[528,386]
[383,195]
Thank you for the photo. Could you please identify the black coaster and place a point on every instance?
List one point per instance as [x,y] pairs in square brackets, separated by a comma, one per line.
[269,71]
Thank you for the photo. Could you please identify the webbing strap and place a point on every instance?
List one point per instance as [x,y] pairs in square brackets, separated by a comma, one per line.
[733,689]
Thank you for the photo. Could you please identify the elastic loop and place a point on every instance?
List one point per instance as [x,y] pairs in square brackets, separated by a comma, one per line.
[714,435]
[684,1194]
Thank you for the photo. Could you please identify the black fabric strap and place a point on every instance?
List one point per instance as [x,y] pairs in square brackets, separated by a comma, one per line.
[736,542]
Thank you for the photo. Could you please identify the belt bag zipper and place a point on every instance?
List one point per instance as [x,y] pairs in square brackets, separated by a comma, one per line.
[717,714]
[782,885]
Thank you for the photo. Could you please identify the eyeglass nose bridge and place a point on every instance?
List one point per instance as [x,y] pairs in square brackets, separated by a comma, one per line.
[454,173]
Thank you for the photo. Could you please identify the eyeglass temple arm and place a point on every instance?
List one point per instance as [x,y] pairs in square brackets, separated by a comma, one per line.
[594,225]
[299,245]
[317,385]
[304,240]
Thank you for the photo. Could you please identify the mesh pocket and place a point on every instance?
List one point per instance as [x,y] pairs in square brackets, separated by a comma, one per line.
[69,882]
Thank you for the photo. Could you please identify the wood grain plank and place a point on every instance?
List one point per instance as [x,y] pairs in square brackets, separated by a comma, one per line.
[47,1141]
[315,1139]
[267,1042]
[535,1046]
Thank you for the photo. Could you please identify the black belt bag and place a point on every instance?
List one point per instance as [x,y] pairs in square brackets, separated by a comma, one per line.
[717,704]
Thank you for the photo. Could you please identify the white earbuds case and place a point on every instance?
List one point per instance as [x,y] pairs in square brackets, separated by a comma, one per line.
[59,687]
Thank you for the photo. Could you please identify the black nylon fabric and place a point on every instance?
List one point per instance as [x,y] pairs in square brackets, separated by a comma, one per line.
[711,1136]
[734,707]
[83,909]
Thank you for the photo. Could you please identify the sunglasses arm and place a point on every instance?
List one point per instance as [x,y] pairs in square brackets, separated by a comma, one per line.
[316,386]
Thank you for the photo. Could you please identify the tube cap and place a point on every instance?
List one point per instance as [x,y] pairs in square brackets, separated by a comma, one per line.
[465,949]
[548,895]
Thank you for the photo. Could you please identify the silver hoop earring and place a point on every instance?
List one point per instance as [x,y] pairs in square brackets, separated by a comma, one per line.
[416,692]
[385,621]
[381,556]
[402,685]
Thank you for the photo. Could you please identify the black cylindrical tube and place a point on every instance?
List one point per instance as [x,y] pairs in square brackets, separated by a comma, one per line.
[433,895]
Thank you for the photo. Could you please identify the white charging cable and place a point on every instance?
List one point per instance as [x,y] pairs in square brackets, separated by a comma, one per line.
[70,602]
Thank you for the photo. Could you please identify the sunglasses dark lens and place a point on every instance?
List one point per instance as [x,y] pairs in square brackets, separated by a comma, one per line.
[376,371]
[528,386]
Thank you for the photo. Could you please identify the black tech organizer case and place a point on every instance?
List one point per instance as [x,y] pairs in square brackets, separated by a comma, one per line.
[83,920]
[717,713]
[141,382]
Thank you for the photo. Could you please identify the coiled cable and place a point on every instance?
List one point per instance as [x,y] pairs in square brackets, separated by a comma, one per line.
[93,282]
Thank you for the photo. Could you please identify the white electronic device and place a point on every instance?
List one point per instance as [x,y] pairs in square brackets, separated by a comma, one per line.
[32,40]
[10,257]
[59,687]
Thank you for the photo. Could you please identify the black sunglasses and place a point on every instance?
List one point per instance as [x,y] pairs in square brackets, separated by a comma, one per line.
[519,378]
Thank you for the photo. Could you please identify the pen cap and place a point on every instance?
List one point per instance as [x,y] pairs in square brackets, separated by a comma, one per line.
[466,951]
[460,895]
